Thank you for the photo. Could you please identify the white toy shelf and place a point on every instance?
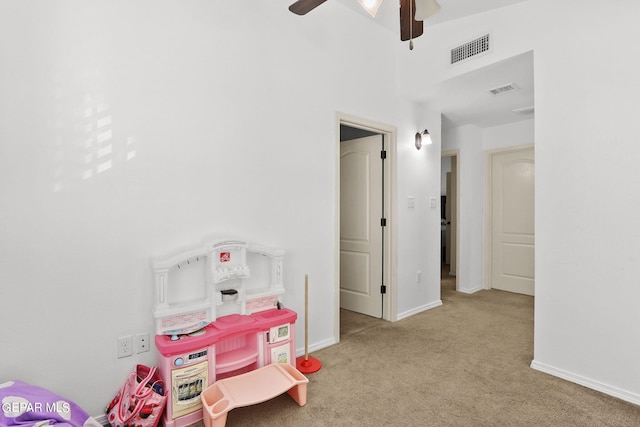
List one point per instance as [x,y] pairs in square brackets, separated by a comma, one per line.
[227,284]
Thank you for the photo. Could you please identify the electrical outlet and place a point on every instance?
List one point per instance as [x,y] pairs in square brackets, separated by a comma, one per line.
[124,346]
[142,342]
[419,277]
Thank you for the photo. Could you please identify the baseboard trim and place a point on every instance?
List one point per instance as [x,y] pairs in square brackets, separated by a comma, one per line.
[419,310]
[316,346]
[587,382]
[470,291]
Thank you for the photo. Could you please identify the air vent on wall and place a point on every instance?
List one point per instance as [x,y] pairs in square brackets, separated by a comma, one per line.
[503,89]
[469,49]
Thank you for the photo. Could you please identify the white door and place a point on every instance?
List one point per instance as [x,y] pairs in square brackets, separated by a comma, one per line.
[512,221]
[360,230]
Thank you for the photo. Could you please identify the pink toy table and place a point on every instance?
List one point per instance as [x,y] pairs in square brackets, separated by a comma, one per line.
[250,388]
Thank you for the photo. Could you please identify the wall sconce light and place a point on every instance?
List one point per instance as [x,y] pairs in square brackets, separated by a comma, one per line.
[420,139]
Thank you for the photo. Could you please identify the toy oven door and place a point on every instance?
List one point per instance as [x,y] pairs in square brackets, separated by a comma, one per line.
[281,354]
[186,385]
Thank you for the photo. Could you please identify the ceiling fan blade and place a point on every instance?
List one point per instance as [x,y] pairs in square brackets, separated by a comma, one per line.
[408,29]
[302,7]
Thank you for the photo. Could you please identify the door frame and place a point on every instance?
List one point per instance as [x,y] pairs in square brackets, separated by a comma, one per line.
[456,154]
[488,217]
[390,249]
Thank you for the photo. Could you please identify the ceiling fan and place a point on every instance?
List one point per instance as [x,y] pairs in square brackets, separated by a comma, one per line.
[412,13]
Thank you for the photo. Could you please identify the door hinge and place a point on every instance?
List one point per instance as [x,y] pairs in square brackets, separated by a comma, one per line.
[383,289]
[383,154]
[383,222]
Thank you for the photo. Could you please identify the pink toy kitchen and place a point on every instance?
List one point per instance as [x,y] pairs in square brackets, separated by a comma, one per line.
[220,324]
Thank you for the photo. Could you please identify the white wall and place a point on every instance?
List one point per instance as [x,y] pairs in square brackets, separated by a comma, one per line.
[230,109]
[445,166]
[419,227]
[586,94]
[512,31]
[509,135]
[468,141]
[587,208]
[427,66]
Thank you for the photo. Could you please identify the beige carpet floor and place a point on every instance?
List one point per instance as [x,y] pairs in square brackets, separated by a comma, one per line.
[465,363]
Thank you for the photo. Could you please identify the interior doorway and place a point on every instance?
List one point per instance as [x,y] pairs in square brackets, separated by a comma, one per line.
[449,218]
[362,216]
[375,145]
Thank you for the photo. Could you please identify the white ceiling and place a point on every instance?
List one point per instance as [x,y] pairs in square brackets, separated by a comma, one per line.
[466,99]
[389,15]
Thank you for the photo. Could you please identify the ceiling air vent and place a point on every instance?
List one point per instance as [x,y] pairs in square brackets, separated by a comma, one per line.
[469,49]
[503,89]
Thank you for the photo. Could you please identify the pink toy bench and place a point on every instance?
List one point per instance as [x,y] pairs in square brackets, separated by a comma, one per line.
[250,388]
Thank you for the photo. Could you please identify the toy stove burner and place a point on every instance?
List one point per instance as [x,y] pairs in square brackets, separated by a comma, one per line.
[197,333]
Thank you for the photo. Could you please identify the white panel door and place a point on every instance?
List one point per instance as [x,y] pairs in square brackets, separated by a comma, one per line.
[512,221]
[360,230]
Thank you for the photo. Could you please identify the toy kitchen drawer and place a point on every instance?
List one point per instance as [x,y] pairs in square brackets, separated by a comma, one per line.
[279,333]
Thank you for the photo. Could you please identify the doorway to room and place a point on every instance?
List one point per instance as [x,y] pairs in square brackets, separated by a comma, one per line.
[362,225]
[449,220]
[365,232]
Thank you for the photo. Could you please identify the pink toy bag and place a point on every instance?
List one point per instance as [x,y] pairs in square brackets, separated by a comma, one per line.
[141,400]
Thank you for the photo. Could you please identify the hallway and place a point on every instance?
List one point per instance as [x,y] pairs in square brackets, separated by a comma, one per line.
[447,281]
